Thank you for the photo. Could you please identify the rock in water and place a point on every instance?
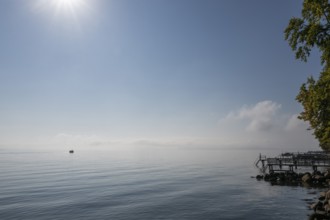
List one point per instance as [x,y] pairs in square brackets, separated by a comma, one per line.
[306,178]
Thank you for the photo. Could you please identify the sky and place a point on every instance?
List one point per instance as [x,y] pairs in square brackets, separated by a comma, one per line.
[204,73]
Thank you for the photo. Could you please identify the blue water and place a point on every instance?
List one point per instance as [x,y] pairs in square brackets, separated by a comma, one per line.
[142,183]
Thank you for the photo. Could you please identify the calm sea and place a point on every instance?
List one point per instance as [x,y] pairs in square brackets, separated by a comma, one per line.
[142,183]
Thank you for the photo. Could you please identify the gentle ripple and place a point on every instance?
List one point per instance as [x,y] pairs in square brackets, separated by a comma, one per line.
[151,184]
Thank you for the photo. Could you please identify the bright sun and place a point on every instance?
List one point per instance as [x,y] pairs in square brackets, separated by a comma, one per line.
[68,4]
[65,12]
[62,7]
[71,14]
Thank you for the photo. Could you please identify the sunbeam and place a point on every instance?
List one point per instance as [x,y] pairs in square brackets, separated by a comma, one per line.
[67,13]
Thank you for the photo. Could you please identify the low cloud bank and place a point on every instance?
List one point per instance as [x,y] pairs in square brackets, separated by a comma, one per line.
[260,125]
[260,117]
[263,124]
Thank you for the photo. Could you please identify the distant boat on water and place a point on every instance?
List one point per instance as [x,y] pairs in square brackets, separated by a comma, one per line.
[71,151]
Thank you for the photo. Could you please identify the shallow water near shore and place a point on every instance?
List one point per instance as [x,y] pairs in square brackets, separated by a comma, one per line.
[143,183]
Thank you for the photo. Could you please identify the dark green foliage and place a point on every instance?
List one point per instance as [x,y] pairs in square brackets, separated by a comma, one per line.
[315,99]
[312,30]
[303,34]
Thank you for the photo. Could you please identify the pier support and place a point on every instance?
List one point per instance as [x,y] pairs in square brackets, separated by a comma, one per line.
[291,168]
[270,167]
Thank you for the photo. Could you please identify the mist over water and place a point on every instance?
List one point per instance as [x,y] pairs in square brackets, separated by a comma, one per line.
[142,183]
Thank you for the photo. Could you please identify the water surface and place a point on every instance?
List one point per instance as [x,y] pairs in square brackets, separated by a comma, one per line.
[142,183]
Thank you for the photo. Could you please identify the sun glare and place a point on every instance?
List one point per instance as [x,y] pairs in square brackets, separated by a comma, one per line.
[63,7]
[66,13]
[68,4]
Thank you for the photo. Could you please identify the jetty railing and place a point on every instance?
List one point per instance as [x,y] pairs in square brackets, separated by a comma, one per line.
[291,161]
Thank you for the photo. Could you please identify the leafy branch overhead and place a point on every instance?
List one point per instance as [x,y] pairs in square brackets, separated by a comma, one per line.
[303,34]
[312,30]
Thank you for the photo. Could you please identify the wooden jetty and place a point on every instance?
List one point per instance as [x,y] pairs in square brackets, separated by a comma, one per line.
[290,161]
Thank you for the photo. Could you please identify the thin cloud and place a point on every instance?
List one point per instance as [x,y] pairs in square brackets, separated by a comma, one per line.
[260,117]
[295,124]
[262,124]
[258,125]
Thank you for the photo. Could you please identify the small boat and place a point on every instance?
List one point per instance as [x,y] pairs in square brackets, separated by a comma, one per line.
[71,151]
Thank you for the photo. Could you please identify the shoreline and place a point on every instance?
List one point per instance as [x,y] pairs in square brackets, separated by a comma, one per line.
[280,172]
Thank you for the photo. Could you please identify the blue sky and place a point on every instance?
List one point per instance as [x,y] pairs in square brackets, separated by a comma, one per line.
[188,72]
